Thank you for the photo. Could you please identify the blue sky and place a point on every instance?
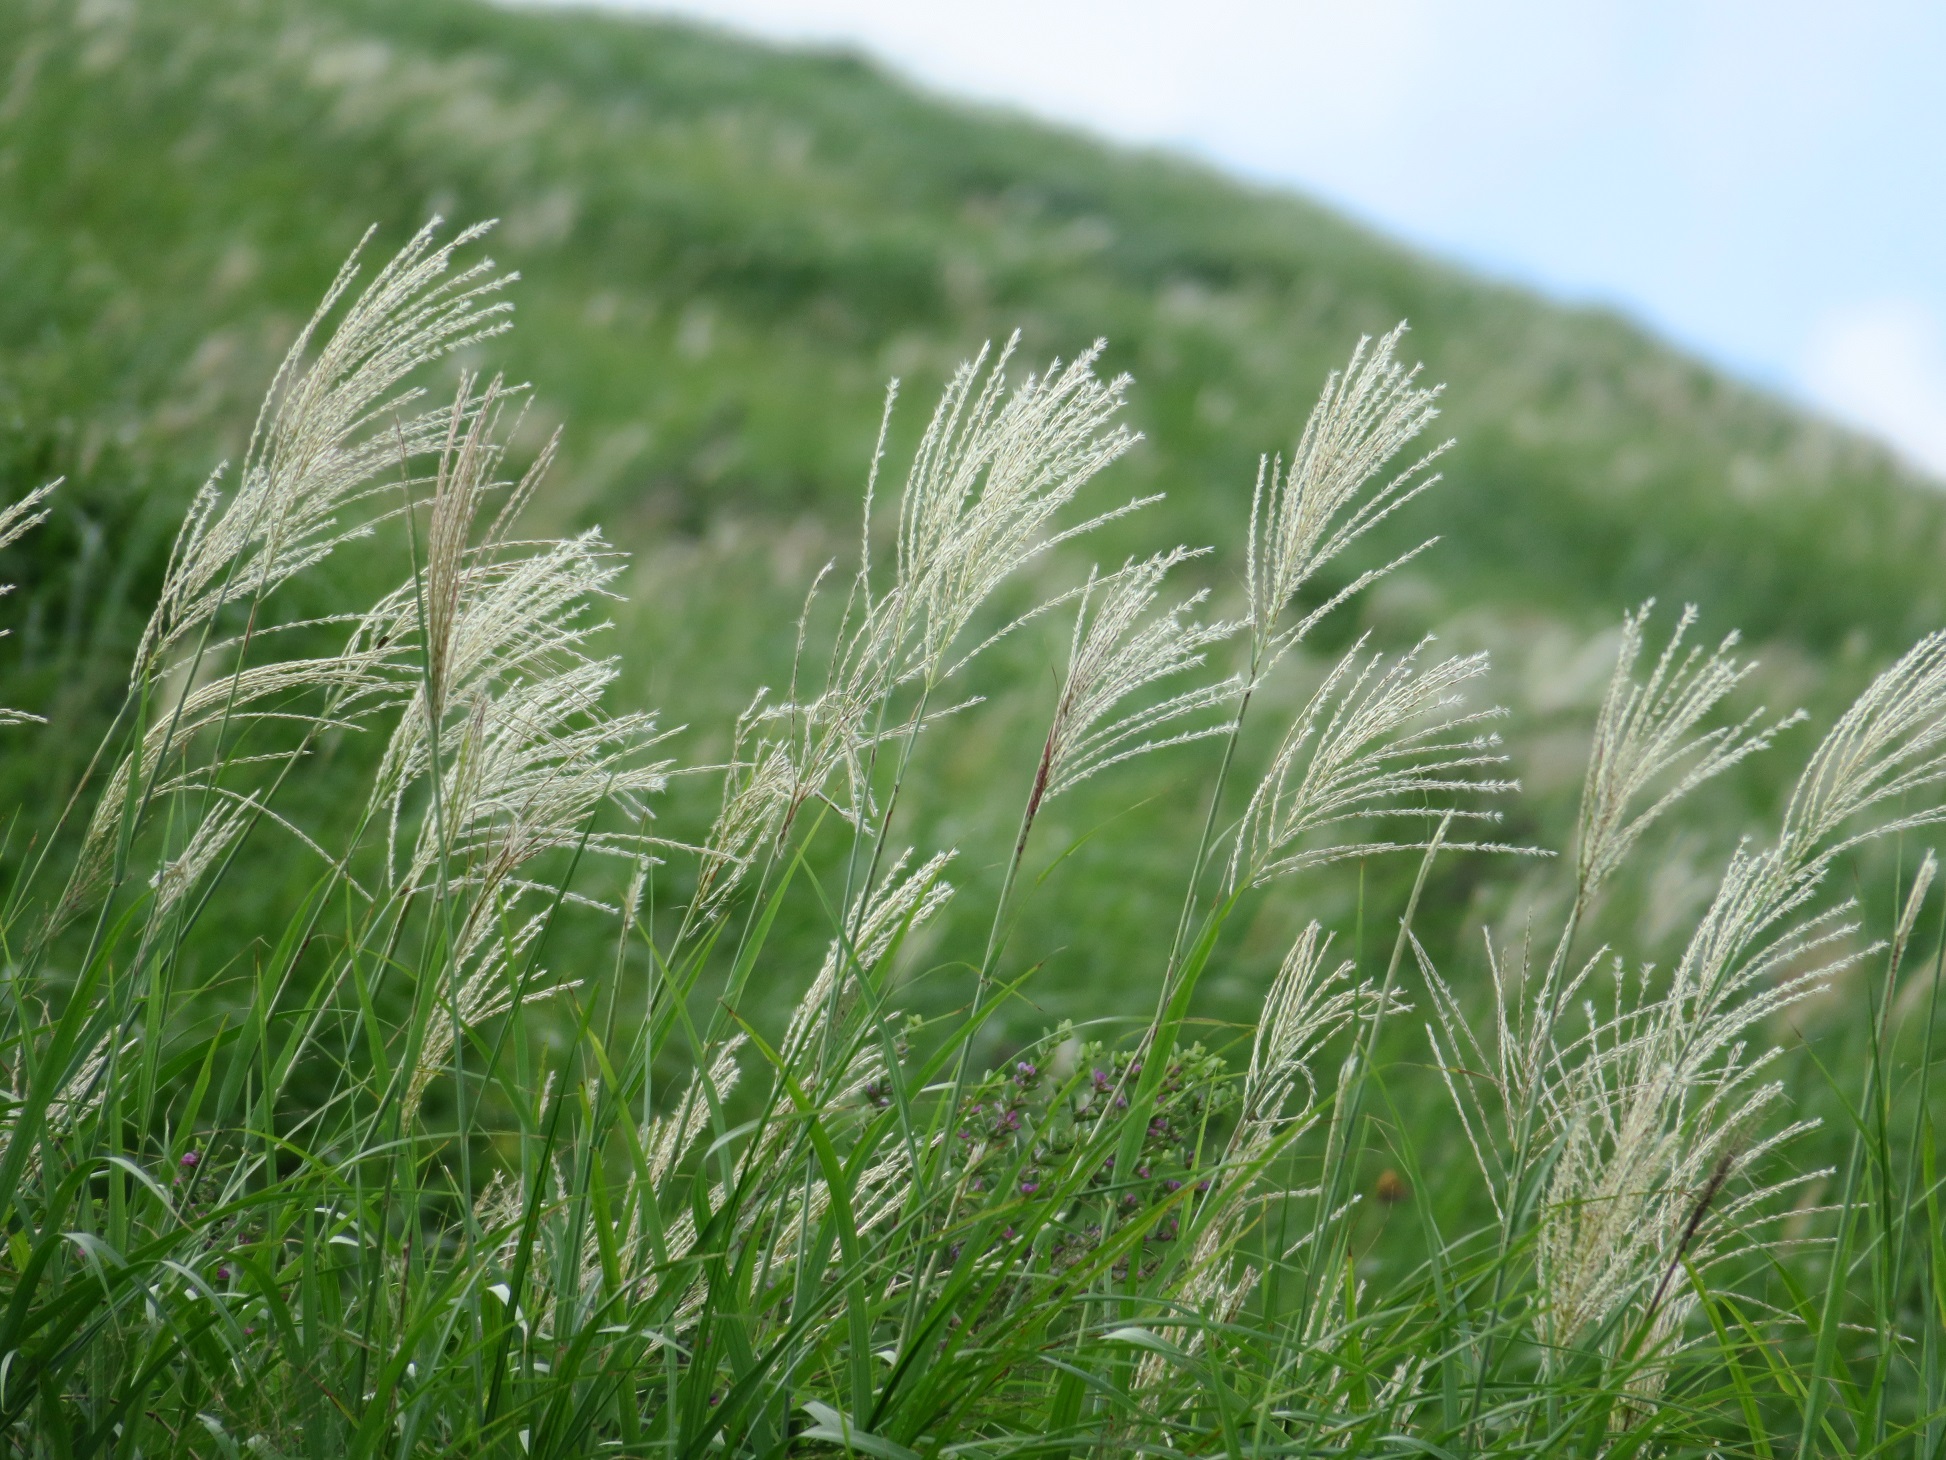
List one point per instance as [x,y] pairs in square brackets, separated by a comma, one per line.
[1763,181]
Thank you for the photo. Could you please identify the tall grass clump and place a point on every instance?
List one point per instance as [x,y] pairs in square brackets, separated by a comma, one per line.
[420,1175]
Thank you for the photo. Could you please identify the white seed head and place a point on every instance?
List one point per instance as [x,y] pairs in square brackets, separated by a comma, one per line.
[1658,1113]
[1648,729]
[1119,650]
[901,903]
[1303,516]
[16,520]
[328,428]
[991,478]
[1376,740]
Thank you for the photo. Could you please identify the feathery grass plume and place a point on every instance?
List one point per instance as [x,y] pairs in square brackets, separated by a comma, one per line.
[900,904]
[664,1141]
[1646,730]
[1303,517]
[1647,744]
[667,1138]
[506,715]
[759,785]
[16,520]
[503,737]
[353,685]
[77,1097]
[823,1049]
[1117,653]
[530,766]
[1887,748]
[992,472]
[474,449]
[991,476]
[1645,1149]
[834,1062]
[1305,1008]
[477,986]
[329,426]
[22,517]
[1375,741]
[214,835]
[1661,1092]
[327,429]
[839,1060]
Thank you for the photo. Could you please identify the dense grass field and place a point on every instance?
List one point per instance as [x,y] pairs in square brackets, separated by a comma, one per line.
[468,989]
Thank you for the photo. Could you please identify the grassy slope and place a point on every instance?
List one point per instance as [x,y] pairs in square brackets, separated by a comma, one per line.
[729,249]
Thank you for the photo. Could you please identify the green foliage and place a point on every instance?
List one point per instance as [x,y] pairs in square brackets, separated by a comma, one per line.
[414,1176]
[391,1137]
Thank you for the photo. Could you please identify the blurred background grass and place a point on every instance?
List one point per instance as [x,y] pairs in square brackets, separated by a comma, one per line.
[727,251]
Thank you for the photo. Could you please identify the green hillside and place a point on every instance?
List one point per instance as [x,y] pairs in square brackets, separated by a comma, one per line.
[728,249]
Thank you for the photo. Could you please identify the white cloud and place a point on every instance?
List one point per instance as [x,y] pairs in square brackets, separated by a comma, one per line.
[1882,366]
[1235,76]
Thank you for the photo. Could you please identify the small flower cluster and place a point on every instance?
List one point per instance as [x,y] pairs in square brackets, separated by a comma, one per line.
[1008,1105]
[1175,1148]
[1023,1132]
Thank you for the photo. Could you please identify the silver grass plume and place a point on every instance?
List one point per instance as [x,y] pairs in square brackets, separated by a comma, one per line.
[1305,1008]
[502,749]
[16,520]
[1649,751]
[508,700]
[760,787]
[80,1095]
[1887,748]
[1376,740]
[1119,650]
[22,517]
[530,766]
[901,903]
[329,427]
[1666,1091]
[993,473]
[667,1138]
[1647,730]
[477,987]
[834,1061]
[663,1141]
[353,684]
[1309,1003]
[1304,515]
[215,834]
